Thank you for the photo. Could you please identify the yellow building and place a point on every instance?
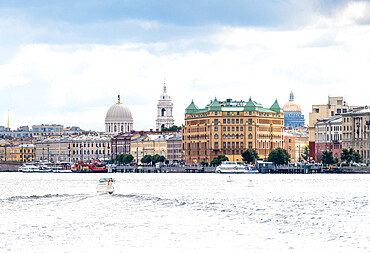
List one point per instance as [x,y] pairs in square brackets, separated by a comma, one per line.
[18,153]
[294,143]
[229,128]
[149,145]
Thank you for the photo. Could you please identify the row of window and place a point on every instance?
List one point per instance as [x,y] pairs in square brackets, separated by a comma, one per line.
[233,129]
[76,145]
[233,121]
[87,152]
[250,136]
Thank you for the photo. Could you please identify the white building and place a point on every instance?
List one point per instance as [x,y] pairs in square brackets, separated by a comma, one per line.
[118,119]
[164,111]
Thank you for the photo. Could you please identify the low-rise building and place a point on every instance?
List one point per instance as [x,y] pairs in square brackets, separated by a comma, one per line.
[356,130]
[74,148]
[45,130]
[19,153]
[335,106]
[21,132]
[328,136]
[150,145]
[294,143]
[174,149]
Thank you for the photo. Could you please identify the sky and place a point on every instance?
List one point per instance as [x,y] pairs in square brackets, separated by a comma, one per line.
[65,62]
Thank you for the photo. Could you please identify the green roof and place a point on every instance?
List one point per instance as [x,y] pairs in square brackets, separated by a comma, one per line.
[191,108]
[215,105]
[276,107]
[250,105]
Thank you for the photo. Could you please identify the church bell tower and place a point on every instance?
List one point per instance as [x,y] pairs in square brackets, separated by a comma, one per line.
[164,111]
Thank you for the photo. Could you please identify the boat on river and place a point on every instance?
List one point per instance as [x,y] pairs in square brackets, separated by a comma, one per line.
[105,186]
[34,168]
[95,166]
[235,168]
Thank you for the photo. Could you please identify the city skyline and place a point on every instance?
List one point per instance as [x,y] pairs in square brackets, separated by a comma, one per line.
[67,67]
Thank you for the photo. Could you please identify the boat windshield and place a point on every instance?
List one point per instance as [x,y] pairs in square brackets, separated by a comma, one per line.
[102,180]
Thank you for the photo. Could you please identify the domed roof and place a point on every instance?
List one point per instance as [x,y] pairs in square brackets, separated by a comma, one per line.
[164,95]
[291,106]
[119,113]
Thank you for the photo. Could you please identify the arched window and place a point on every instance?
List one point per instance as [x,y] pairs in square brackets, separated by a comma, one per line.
[224,136]
[237,136]
[250,136]
[241,136]
[216,136]
[233,136]
[163,112]
[228,136]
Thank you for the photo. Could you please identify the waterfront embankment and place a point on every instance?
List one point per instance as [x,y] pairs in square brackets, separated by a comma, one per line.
[9,166]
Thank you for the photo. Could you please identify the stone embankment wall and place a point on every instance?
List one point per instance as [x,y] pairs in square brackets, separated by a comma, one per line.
[9,166]
[361,170]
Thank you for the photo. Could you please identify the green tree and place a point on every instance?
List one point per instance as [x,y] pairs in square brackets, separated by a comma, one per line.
[128,158]
[356,157]
[306,153]
[350,155]
[250,155]
[346,155]
[172,129]
[158,158]
[217,160]
[146,159]
[279,156]
[327,157]
[203,163]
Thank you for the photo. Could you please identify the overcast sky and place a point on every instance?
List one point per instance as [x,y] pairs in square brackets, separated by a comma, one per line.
[65,62]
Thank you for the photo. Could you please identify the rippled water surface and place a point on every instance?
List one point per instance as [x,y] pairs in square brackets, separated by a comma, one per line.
[185,213]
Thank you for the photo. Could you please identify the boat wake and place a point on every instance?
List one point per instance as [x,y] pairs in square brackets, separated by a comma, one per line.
[36,197]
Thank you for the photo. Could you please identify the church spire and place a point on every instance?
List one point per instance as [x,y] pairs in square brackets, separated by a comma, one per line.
[8,118]
[119,98]
[164,86]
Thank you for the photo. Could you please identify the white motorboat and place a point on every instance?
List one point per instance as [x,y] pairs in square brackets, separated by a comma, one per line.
[105,185]
[29,167]
[235,167]
[61,170]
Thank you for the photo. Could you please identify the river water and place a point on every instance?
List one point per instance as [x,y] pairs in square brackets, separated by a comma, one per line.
[185,213]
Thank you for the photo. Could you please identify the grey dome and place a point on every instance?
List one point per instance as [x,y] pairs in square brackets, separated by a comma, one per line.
[118,113]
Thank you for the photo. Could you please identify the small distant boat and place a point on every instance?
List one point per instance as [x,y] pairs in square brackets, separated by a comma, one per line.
[229,179]
[235,167]
[105,185]
[28,168]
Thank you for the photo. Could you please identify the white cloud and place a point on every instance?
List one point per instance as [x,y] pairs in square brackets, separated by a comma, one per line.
[80,83]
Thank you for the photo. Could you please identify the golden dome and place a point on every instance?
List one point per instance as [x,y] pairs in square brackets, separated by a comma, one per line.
[291,106]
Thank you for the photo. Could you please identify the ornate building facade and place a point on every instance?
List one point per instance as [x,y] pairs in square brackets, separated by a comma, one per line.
[328,136]
[229,128]
[118,119]
[164,111]
[356,131]
[293,117]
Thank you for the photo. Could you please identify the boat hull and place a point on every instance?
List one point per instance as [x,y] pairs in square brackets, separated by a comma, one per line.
[89,171]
